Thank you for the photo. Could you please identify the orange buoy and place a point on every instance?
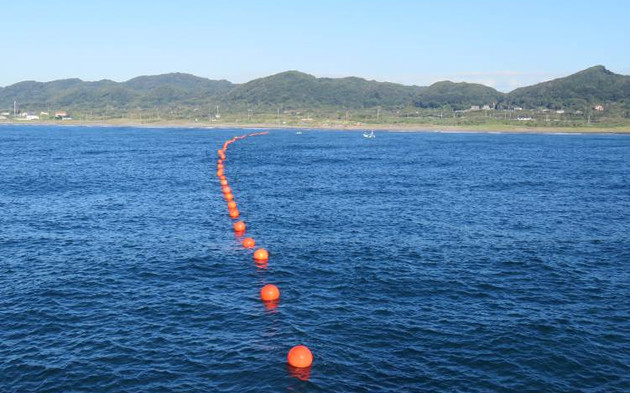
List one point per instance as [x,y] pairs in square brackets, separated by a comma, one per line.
[224,182]
[226,189]
[222,177]
[300,356]
[261,254]
[239,226]
[234,213]
[248,242]
[220,173]
[269,293]
[228,197]
[220,152]
[231,205]
[220,166]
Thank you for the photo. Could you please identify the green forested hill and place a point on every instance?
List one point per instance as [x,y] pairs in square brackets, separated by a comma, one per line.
[457,95]
[595,85]
[296,90]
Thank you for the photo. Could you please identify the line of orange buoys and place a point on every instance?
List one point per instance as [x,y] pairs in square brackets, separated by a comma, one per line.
[299,356]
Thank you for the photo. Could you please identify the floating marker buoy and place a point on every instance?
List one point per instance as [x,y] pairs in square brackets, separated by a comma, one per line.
[231,205]
[224,182]
[234,213]
[269,293]
[220,166]
[248,242]
[300,356]
[226,189]
[228,197]
[220,173]
[239,226]
[261,254]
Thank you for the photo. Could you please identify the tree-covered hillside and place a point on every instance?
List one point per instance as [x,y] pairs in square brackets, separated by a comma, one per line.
[595,85]
[296,90]
[457,95]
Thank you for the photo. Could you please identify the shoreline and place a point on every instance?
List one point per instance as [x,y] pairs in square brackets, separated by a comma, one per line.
[487,129]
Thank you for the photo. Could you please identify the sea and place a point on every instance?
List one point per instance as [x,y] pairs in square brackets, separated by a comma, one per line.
[411,262]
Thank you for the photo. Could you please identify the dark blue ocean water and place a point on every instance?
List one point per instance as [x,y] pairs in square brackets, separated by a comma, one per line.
[411,262]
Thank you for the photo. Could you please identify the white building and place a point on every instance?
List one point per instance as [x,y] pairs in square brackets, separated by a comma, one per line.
[28,116]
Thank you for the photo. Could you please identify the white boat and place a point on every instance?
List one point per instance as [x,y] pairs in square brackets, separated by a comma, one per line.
[299,133]
[369,135]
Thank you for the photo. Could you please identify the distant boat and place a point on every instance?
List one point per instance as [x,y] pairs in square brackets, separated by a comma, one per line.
[369,135]
[299,133]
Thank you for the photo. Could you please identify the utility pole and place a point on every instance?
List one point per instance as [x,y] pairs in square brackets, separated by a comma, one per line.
[14,108]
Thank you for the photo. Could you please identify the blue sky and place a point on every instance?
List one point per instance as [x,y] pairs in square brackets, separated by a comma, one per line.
[504,44]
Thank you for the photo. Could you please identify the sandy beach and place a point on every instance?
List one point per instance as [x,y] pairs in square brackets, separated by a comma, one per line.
[491,128]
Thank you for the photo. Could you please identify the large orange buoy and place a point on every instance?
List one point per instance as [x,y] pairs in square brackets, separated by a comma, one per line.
[300,356]
[231,205]
[228,197]
[226,189]
[269,293]
[220,166]
[224,182]
[248,242]
[220,173]
[234,213]
[261,254]
[239,226]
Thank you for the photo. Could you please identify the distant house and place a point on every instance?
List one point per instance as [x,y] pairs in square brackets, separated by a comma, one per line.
[525,119]
[28,116]
[43,113]
[2,117]
[5,114]
[486,108]
[60,115]
[518,108]
[560,112]
[474,108]
[599,108]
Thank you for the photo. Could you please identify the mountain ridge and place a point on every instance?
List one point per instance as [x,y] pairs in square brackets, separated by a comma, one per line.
[294,90]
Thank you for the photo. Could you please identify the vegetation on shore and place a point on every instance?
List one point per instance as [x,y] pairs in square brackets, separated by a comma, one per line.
[593,98]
